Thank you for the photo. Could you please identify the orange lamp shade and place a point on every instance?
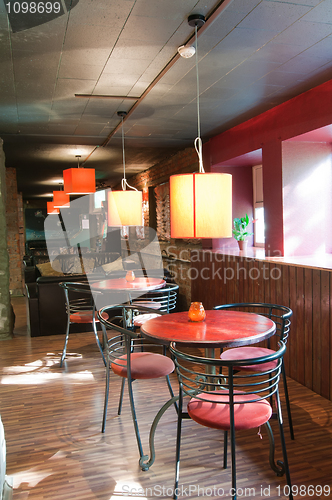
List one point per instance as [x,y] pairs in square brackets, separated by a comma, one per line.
[61,199]
[51,208]
[201,205]
[124,208]
[79,181]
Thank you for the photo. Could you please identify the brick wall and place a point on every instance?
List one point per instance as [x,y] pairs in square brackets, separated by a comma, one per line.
[6,319]
[15,237]
[183,162]
[176,253]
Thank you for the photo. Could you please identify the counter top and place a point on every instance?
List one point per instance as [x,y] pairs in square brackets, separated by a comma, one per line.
[319,261]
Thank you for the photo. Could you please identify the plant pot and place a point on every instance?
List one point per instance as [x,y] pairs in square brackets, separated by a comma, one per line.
[242,244]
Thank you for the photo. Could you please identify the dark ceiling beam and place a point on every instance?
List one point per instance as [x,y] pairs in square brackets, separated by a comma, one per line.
[101,96]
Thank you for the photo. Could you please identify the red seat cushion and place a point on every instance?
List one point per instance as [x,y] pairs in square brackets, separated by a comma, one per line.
[85,317]
[250,353]
[216,414]
[144,365]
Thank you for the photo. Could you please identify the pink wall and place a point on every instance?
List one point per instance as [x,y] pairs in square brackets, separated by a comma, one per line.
[306,169]
[242,201]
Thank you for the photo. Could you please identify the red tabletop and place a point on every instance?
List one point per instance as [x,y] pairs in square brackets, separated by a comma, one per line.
[120,284]
[219,329]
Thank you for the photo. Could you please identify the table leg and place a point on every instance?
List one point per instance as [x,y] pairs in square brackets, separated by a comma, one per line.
[146,465]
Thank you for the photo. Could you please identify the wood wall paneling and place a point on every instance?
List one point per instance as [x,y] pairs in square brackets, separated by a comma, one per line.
[308,291]
[325,330]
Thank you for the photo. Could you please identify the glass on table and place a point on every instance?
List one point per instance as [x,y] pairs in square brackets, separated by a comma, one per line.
[130,276]
[196,312]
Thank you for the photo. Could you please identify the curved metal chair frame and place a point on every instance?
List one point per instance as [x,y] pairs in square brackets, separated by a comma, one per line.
[222,382]
[127,341]
[281,316]
[165,297]
[79,301]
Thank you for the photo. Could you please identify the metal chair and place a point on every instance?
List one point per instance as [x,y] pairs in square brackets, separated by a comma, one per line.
[80,309]
[130,359]
[162,300]
[223,396]
[281,316]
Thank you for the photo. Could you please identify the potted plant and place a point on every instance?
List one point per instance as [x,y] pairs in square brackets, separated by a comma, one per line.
[240,231]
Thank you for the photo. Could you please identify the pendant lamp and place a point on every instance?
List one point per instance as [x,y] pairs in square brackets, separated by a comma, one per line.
[61,199]
[124,207]
[200,203]
[79,180]
[51,208]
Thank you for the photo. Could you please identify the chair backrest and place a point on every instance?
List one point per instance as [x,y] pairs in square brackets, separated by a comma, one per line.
[166,297]
[278,313]
[78,297]
[200,377]
[120,317]
[120,320]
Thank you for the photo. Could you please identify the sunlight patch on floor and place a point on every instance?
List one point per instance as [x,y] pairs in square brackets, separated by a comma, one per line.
[44,377]
[29,477]
[128,489]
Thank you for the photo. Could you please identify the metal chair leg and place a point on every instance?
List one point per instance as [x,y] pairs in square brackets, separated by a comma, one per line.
[283,446]
[225,449]
[133,413]
[233,457]
[123,383]
[107,387]
[94,324]
[289,414]
[178,444]
[66,342]
[169,385]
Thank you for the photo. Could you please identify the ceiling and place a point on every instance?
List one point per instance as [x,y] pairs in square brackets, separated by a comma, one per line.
[253,55]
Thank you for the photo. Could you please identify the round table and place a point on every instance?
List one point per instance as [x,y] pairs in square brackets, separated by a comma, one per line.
[219,329]
[140,284]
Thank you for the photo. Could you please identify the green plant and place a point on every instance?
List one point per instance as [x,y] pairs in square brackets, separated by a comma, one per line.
[240,228]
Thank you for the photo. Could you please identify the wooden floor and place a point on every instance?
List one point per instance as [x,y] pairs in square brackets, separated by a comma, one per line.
[55,450]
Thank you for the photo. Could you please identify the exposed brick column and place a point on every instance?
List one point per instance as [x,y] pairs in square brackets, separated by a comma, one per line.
[13,233]
[6,325]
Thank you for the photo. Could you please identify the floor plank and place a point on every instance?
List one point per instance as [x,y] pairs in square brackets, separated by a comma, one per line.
[55,450]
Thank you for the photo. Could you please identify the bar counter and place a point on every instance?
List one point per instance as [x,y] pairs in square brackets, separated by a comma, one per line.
[302,283]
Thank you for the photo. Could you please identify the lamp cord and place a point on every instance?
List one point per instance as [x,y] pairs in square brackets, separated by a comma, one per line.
[124,183]
[198,140]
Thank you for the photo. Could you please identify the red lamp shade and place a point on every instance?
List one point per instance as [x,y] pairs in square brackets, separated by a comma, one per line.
[51,208]
[79,181]
[201,205]
[125,208]
[61,199]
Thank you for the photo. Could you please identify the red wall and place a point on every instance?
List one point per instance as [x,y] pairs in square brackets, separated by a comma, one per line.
[306,112]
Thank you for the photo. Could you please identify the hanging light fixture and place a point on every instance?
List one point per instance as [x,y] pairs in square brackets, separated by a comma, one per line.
[61,199]
[200,203]
[124,207]
[79,180]
[51,208]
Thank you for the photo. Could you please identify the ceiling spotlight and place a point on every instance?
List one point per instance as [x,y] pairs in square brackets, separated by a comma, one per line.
[186,51]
